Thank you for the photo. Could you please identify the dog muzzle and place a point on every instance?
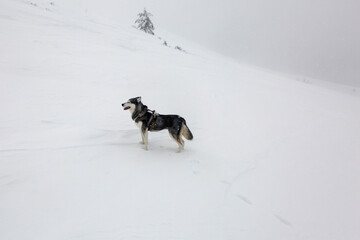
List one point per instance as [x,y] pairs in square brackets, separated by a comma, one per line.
[125,107]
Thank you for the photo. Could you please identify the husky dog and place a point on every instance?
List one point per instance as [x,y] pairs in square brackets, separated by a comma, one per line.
[148,120]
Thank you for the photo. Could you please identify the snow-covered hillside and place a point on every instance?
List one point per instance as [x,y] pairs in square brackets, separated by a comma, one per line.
[272,158]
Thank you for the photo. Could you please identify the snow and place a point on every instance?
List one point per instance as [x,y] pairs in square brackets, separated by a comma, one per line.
[272,158]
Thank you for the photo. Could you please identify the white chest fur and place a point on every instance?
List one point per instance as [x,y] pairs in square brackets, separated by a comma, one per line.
[139,124]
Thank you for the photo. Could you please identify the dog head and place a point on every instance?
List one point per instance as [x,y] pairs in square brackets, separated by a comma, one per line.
[131,104]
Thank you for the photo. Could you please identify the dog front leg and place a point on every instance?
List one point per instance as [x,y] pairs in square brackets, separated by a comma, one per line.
[144,135]
[146,139]
[140,125]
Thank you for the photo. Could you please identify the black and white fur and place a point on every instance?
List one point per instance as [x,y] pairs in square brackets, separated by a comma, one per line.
[148,120]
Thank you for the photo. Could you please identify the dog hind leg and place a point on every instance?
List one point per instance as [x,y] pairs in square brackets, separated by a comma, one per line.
[177,138]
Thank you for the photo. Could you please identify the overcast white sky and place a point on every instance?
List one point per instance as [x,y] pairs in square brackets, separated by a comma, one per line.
[315,38]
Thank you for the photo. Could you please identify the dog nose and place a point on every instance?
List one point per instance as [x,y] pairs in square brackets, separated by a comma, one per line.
[122,104]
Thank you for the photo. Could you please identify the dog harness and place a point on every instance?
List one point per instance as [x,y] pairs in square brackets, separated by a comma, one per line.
[151,123]
[152,120]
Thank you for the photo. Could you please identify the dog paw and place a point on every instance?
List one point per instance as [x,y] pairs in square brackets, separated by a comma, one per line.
[141,142]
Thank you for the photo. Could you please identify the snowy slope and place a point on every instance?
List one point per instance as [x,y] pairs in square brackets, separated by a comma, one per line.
[272,158]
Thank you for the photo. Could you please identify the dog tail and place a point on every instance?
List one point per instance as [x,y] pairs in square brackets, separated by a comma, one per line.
[185,131]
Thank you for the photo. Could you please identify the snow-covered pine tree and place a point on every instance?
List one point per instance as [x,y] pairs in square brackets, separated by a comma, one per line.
[180,49]
[144,23]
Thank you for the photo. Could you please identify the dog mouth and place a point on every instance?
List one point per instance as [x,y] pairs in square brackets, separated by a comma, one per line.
[126,108]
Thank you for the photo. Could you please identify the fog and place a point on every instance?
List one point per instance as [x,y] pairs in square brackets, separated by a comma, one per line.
[311,38]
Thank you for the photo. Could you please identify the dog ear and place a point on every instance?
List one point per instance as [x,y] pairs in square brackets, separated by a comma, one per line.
[138,99]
